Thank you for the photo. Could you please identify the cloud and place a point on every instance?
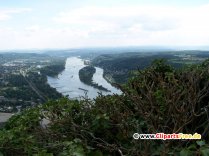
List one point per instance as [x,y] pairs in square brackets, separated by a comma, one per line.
[111,26]
[33,28]
[6,14]
[151,18]
[138,20]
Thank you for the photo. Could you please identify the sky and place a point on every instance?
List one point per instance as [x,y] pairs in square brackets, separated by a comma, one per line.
[41,24]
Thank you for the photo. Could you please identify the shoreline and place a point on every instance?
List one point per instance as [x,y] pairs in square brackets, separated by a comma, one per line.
[73,68]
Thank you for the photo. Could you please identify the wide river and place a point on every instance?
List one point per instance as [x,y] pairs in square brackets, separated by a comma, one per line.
[68,82]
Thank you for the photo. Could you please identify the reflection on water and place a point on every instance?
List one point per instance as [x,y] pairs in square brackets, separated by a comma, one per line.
[68,82]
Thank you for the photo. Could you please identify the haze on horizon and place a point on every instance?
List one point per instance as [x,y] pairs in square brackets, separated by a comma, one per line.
[40,24]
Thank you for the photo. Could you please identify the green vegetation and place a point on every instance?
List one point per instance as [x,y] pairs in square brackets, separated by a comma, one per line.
[86,75]
[45,89]
[23,79]
[156,99]
[26,91]
[53,69]
[118,67]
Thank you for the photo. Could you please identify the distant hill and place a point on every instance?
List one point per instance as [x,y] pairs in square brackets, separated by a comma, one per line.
[118,67]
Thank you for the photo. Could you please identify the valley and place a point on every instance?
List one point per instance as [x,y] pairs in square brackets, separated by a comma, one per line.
[23,82]
[29,79]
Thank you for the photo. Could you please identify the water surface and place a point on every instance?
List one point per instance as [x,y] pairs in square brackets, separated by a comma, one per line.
[68,82]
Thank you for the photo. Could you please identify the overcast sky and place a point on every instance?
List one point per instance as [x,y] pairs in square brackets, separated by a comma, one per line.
[26,24]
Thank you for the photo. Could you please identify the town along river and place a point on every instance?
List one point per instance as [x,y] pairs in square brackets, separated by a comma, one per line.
[68,82]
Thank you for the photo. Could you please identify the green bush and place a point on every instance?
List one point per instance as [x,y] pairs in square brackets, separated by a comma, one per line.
[157,99]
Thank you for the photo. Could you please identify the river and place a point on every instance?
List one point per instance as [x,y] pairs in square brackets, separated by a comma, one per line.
[68,82]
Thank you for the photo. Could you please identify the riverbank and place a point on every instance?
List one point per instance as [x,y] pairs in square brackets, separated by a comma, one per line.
[55,68]
[68,81]
[86,75]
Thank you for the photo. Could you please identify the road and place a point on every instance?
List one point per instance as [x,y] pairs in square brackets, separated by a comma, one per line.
[33,87]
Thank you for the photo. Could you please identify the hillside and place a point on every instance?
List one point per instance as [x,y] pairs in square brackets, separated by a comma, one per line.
[23,80]
[117,67]
[158,99]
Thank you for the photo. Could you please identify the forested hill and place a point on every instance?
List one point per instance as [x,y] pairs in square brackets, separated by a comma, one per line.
[158,99]
[118,67]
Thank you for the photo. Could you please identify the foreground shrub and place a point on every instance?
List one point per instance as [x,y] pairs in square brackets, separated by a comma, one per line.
[157,99]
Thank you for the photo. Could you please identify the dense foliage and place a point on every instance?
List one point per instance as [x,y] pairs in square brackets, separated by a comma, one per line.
[53,70]
[24,91]
[86,74]
[23,79]
[157,99]
[45,90]
[117,67]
